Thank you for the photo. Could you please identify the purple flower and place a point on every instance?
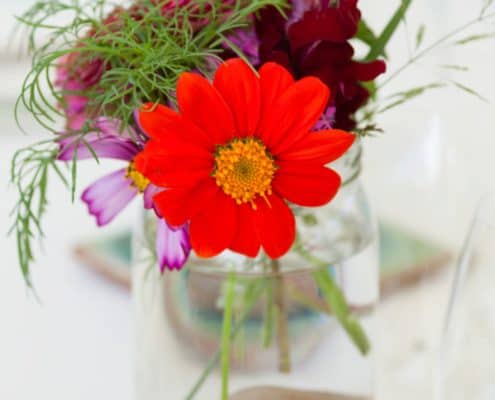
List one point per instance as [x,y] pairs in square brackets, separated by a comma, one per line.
[327,120]
[74,76]
[172,246]
[244,39]
[109,195]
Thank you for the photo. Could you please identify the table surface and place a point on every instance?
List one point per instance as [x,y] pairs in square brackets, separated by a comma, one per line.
[427,172]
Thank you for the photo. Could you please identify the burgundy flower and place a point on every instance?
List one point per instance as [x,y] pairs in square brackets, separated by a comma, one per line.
[314,41]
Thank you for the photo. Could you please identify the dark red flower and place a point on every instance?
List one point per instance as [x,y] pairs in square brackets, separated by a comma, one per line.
[315,42]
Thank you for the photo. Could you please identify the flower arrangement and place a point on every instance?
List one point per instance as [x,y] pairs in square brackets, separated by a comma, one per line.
[226,116]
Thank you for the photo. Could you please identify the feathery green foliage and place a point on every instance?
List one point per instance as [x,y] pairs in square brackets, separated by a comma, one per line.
[143,49]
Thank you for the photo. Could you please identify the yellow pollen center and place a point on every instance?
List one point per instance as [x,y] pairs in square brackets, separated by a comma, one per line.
[244,169]
[139,181]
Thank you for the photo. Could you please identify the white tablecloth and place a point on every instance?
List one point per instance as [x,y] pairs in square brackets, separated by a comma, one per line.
[427,171]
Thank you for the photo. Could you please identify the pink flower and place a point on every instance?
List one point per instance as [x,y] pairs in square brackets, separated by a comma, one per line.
[109,195]
[74,76]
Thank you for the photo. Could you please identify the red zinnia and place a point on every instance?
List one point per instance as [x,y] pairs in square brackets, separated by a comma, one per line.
[237,152]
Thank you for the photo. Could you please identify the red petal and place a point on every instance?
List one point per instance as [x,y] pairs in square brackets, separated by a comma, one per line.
[160,122]
[367,71]
[240,88]
[201,103]
[176,147]
[305,184]
[274,81]
[246,240]
[179,205]
[333,24]
[294,114]
[213,230]
[320,147]
[276,226]
[173,171]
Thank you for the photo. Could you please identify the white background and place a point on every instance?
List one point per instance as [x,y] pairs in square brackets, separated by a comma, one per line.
[427,170]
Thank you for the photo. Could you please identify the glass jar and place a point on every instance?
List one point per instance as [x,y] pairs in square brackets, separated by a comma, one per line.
[258,328]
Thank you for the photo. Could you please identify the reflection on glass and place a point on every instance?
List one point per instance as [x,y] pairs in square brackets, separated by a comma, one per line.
[466,368]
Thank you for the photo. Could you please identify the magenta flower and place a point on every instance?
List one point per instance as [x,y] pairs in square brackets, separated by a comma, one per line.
[109,195]
[74,77]
[244,39]
[172,246]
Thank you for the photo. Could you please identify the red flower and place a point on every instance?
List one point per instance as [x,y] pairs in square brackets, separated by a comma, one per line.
[237,152]
[314,42]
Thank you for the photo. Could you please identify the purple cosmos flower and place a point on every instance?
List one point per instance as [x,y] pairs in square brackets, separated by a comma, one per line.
[246,40]
[109,195]
[172,246]
[74,77]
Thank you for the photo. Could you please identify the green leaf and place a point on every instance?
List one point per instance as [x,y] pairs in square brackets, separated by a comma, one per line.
[337,302]
[486,6]
[366,35]
[469,90]
[420,35]
[461,68]
[405,96]
[381,42]
[474,38]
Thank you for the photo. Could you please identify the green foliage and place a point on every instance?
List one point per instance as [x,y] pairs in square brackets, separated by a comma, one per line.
[407,95]
[367,36]
[335,299]
[31,169]
[254,290]
[461,68]
[338,304]
[227,334]
[486,5]
[474,38]
[143,51]
[381,42]
[420,35]
[468,90]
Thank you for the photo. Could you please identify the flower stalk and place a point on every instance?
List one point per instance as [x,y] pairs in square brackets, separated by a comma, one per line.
[227,334]
[282,319]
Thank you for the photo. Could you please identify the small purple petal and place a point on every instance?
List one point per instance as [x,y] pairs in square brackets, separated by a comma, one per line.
[172,246]
[299,7]
[108,196]
[103,147]
[148,195]
[327,120]
[74,104]
[113,128]
[76,122]
[142,134]
[247,41]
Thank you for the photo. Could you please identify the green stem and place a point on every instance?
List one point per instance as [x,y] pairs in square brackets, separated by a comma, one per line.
[282,319]
[255,290]
[269,315]
[227,335]
[434,45]
[335,299]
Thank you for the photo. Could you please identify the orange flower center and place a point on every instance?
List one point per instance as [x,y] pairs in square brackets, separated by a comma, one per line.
[244,169]
[139,181]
